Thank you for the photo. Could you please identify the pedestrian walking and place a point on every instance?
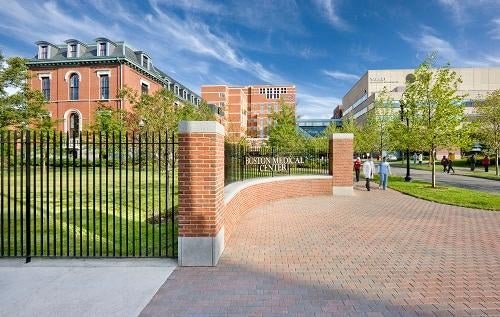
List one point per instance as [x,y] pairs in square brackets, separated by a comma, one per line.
[450,166]
[420,158]
[415,157]
[384,170]
[368,169]
[486,163]
[357,167]
[444,163]
[472,162]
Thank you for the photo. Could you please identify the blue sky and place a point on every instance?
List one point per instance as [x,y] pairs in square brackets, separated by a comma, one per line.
[321,46]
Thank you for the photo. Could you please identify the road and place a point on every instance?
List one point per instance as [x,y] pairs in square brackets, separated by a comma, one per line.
[475,183]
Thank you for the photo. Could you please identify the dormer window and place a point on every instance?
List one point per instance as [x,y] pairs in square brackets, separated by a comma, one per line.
[145,61]
[184,94]
[44,52]
[102,49]
[73,50]
[176,90]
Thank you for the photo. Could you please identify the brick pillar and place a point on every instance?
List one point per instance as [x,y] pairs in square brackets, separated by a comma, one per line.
[341,163]
[201,192]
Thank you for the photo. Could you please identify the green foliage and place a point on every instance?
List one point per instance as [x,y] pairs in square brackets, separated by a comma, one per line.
[161,111]
[434,109]
[109,120]
[23,108]
[488,123]
[283,132]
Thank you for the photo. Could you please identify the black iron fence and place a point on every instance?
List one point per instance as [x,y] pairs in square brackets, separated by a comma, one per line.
[244,162]
[88,195]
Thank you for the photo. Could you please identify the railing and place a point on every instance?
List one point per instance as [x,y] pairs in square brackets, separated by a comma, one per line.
[244,162]
[95,195]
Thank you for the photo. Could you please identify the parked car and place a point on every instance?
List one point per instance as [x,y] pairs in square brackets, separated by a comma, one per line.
[392,157]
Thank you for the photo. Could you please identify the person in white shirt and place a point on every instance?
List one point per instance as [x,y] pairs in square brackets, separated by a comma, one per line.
[368,170]
[384,170]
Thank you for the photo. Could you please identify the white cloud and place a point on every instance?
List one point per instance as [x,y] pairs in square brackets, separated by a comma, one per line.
[366,53]
[455,6]
[175,42]
[328,9]
[341,75]
[495,31]
[427,42]
[315,107]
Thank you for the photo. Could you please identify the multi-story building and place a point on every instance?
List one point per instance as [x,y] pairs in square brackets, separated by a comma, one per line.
[247,109]
[476,84]
[314,127]
[75,77]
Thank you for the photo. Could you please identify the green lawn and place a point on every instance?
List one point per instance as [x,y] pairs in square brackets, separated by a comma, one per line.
[94,213]
[446,194]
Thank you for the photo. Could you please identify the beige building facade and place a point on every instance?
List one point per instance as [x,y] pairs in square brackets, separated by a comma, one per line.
[476,84]
[247,109]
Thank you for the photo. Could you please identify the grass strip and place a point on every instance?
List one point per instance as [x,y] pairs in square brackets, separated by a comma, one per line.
[446,194]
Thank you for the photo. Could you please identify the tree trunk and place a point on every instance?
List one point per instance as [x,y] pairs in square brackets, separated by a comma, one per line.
[496,161]
[432,161]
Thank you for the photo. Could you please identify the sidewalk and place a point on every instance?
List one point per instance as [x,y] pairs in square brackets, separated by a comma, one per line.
[71,287]
[379,253]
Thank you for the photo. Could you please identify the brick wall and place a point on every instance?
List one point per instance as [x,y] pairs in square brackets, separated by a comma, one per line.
[263,193]
[201,184]
[341,163]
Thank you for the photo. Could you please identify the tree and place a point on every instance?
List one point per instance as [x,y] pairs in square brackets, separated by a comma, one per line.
[488,123]
[350,126]
[434,109]
[107,119]
[382,115]
[283,131]
[161,112]
[20,106]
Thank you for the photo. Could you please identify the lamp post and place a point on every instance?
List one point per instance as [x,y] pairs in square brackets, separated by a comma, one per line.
[404,115]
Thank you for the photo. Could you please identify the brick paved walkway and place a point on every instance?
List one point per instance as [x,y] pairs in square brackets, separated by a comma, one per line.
[380,253]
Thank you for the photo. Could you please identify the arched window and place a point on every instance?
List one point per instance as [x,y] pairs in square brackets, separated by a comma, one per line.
[74,82]
[74,125]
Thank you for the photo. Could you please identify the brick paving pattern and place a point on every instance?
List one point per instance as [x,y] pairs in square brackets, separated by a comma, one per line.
[379,253]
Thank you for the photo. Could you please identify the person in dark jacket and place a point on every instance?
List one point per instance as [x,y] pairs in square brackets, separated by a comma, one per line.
[472,162]
[486,163]
[450,166]
[444,163]
[357,168]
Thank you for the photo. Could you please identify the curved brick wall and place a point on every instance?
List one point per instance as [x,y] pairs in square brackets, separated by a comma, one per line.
[241,197]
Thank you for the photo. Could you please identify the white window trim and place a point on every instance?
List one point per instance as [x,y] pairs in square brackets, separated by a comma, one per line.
[66,119]
[99,73]
[106,73]
[99,48]
[44,75]
[40,51]
[177,90]
[145,82]
[142,61]
[77,50]
[68,74]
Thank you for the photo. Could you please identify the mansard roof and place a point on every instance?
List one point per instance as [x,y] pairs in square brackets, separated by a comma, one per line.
[118,52]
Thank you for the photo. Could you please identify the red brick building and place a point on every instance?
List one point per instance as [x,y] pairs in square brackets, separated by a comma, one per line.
[76,76]
[247,108]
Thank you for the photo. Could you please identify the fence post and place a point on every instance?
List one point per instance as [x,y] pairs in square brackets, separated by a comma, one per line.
[341,151]
[28,197]
[201,192]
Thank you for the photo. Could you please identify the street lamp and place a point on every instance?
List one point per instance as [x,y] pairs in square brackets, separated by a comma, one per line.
[405,115]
